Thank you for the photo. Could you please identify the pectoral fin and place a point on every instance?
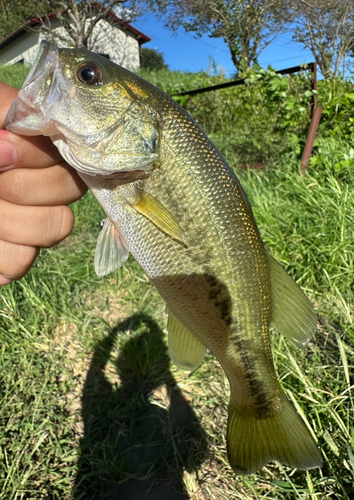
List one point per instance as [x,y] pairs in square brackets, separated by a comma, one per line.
[292,312]
[111,252]
[185,349]
[158,214]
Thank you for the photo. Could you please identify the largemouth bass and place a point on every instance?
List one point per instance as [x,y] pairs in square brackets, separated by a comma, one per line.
[173,202]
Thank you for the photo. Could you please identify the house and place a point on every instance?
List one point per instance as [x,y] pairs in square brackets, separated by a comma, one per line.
[116,40]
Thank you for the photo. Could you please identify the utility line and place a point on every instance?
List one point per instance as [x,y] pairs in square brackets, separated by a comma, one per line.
[286,59]
[142,28]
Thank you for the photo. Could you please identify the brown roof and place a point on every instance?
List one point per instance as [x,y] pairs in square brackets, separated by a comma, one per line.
[35,21]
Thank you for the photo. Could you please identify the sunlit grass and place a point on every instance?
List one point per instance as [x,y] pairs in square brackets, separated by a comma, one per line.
[14,75]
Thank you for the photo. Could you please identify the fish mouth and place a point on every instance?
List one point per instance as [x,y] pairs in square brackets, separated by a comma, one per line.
[40,92]
[45,102]
[42,107]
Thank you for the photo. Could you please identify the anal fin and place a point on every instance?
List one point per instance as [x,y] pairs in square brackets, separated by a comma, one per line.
[292,312]
[185,349]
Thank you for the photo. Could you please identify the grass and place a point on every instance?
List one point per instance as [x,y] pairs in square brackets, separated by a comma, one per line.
[91,407]
[14,75]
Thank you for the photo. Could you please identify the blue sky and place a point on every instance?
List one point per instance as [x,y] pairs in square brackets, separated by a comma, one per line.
[185,52]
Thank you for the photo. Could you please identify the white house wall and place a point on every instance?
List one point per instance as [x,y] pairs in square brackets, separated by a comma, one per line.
[121,48]
[107,39]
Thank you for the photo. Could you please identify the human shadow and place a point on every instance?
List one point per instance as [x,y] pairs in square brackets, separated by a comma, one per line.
[134,447]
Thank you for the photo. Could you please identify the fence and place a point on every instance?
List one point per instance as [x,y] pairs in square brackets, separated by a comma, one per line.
[316,110]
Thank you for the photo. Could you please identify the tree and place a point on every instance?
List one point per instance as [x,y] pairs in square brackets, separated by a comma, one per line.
[326,27]
[152,60]
[247,26]
[14,13]
[79,18]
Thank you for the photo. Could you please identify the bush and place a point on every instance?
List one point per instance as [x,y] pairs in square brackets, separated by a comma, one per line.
[152,60]
[252,123]
[337,98]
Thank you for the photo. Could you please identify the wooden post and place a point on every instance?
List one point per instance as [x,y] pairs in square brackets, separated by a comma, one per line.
[316,116]
[311,138]
[314,87]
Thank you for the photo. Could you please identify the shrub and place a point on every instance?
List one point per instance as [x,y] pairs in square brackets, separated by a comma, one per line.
[152,60]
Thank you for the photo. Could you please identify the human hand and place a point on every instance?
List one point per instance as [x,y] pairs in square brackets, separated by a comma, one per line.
[36,186]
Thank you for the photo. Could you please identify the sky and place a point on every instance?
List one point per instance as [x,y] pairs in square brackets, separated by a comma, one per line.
[185,52]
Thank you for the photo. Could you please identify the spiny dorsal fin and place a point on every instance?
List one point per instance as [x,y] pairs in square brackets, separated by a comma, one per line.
[185,349]
[158,214]
[292,312]
[111,252]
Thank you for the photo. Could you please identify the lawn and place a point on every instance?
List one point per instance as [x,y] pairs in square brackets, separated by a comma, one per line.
[91,406]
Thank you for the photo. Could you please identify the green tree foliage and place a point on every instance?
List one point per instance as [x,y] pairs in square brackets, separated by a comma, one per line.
[14,13]
[326,27]
[152,60]
[247,26]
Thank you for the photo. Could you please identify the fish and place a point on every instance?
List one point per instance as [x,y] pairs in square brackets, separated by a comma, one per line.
[173,202]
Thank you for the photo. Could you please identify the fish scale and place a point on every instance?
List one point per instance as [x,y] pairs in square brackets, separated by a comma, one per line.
[175,204]
[222,240]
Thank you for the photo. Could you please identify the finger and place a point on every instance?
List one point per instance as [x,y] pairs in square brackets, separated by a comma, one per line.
[57,185]
[35,226]
[15,261]
[4,280]
[31,152]
[27,151]
[8,94]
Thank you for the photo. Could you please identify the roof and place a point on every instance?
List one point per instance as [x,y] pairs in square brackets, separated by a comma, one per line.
[21,30]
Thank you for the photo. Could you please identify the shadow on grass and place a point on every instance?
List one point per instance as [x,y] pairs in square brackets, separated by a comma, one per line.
[134,449]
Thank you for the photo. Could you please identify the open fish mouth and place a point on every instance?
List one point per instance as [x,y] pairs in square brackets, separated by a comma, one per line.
[35,111]
[29,114]
[51,103]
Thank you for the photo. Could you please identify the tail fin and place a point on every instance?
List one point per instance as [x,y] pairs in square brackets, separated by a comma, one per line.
[253,442]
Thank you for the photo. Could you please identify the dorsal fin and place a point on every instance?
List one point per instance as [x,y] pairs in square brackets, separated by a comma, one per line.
[292,312]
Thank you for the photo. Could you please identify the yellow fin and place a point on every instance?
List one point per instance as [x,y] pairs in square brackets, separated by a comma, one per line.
[159,215]
[292,312]
[253,442]
[185,349]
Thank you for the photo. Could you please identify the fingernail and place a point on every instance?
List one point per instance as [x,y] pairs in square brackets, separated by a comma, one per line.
[7,155]
[4,281]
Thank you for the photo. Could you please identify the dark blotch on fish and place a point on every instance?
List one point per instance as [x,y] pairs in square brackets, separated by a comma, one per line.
[220,296]
[261,404]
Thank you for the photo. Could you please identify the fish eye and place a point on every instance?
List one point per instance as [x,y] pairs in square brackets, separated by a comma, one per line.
[90,73]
